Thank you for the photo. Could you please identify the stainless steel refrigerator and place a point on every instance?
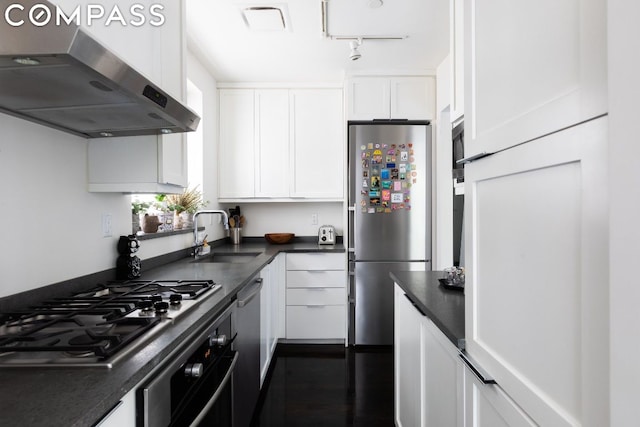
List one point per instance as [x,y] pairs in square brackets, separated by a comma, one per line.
[390,173]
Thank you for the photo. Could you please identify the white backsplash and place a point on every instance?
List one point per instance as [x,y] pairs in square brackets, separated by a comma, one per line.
[262,218]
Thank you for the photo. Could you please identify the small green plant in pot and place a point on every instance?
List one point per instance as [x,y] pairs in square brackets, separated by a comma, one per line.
[138,208]
[185,205]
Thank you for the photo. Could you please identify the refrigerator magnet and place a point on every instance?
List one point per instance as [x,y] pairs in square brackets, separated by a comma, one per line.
[391,165]
[363,147]
[375,182]
[397,186]
[384,145]
[370,146]
[395,174]
[365,173]
[386,185]
[374,201]
[364,183]
[371,210]
[386,195]
[404,156]
[374,193]
[379,209]
[397,197]
[384,174]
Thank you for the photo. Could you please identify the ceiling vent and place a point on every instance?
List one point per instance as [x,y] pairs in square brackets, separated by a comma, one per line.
[265,18]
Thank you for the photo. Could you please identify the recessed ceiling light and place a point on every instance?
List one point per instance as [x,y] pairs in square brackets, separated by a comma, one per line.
[106,134]
[374,4]
[166,131]
[264,18]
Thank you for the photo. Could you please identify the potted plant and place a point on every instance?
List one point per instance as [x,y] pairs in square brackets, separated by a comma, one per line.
[165,212]
[184,205]
[137,209]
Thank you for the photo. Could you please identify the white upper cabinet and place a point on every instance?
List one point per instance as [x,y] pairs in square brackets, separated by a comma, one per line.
[236,165]
[143,164]
[537,297]
[318,152]
[281,144]
[371,98]
[272,143]
[531,68]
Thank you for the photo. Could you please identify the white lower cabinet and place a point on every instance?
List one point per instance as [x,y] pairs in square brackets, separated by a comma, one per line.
[487,405]
[428,379]
[316,296]
[536,296]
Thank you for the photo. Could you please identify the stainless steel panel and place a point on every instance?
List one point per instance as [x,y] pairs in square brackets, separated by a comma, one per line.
[78,85]
[246,377]
[373,306]
[403,234]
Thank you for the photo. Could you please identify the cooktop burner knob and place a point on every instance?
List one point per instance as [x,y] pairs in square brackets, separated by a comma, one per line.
[218,340]
[161,307]
[193,370]
[145,304]
[175,299]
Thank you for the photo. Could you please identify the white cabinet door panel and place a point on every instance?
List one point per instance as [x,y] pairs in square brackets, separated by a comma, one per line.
[368,98]
[536,254]
[315,279]
[316,296]
[315,261]
[272,143]
[531,68]
[412,98]
[318,135]
[316,322]
[236,168]
[408,367]
[487,405]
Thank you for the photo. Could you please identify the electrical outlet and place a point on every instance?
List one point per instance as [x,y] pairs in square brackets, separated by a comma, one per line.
[107,225]
[314,219]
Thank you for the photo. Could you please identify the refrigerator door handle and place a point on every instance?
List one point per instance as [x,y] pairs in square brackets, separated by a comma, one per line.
[351,211]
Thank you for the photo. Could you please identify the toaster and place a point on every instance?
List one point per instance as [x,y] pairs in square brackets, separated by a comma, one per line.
[327,235]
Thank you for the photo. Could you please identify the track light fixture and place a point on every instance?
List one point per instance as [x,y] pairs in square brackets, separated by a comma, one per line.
[354,55]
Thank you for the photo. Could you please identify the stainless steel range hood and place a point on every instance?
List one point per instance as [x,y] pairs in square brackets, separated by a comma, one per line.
[59,76]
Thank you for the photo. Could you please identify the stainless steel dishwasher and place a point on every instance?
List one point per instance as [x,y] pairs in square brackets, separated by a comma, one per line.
[246,377]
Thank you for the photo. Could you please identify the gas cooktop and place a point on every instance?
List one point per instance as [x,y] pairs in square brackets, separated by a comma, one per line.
[97,327]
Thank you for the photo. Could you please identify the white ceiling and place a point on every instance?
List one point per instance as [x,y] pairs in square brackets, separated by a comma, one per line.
[219,36]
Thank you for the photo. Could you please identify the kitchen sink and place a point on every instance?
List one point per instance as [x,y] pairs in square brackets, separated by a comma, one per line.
[230,258]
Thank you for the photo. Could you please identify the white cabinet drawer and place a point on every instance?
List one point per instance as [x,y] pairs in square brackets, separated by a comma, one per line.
[315,279]
[319,322]
[316,296]
[316,261]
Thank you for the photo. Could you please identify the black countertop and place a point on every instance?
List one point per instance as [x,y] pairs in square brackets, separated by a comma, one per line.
[444,307]
[67,397]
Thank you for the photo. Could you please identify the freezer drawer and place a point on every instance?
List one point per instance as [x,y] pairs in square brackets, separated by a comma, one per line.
[373,300]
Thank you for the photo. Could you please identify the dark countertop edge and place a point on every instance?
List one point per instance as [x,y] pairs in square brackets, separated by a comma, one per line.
[150,355]
[439,312]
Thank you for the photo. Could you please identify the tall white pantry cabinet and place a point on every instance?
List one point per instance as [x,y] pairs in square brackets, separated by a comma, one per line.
[536,220]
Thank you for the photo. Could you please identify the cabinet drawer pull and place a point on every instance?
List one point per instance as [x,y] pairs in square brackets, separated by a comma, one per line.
[315,305]
[472,158]
[477,371]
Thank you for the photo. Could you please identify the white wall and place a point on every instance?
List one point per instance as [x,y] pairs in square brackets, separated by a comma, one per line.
[624,191]
[262,218]
[51,225]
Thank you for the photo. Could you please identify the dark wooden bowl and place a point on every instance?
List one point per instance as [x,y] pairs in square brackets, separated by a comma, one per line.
[279,238]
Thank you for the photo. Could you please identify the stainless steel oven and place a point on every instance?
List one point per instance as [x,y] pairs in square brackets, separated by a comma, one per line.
[195,387]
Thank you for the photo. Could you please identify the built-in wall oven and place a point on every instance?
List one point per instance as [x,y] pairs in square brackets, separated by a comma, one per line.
[195,387]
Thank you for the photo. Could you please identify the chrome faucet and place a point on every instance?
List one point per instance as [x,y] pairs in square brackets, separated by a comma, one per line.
[225,222]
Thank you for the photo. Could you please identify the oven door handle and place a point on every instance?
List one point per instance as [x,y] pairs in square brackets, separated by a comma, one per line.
[215,396]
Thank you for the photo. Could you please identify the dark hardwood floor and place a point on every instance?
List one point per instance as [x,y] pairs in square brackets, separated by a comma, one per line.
[328,385]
